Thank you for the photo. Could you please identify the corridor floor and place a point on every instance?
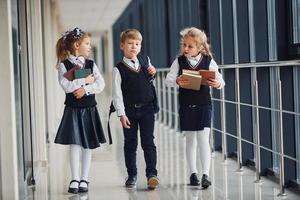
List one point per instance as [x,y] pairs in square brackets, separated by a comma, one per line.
[108,174]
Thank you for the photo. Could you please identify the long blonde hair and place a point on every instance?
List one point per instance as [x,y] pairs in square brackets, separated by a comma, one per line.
[199,37]
[65,44]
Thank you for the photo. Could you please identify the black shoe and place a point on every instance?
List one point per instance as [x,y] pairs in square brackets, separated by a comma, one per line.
[152,182]
[83,189]
[205,183]
[73,190]
[194,181]
[131,181]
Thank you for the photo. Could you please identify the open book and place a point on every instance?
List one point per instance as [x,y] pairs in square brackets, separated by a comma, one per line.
[194,77]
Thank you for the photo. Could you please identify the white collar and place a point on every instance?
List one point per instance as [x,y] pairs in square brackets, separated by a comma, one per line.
[80,60]
[196,58]
[129,62]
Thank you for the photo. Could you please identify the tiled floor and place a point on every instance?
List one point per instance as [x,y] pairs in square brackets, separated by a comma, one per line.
[108,173]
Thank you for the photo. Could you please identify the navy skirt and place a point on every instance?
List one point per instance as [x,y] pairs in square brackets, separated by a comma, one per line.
[81,126]
[195,117]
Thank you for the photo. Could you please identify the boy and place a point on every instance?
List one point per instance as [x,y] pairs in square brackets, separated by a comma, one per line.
[133,100]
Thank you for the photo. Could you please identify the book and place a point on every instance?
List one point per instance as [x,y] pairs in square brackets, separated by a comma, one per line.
[82,73]
[206,75]
[194,77]
[70,74]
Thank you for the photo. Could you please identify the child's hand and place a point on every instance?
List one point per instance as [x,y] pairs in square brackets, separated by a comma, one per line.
[213,83]
[151,70]
[79,93]
[125,121]
[181,81]
[90,79]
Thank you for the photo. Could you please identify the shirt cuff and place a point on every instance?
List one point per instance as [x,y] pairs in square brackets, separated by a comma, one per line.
[220,87]
[87,90]
[81,82]
[120,112]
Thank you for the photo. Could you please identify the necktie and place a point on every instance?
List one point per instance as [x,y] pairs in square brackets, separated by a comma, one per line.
[133,64]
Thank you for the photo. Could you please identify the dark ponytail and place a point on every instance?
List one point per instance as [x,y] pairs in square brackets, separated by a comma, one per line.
[61,51]
[65,45]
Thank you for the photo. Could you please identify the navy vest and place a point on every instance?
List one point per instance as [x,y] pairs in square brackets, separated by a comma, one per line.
[192,97]
[85,101]
[136,87]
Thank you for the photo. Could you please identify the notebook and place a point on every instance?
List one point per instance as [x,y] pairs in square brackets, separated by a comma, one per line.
[82,73]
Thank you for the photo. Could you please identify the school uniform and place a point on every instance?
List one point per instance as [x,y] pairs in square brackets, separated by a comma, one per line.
[195,111]
[81,122]
[195,106]
[133,97]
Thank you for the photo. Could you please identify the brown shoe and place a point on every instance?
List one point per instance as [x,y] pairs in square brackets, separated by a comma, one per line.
[153,182]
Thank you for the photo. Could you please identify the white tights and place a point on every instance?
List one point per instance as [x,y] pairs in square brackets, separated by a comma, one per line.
[198,139]
[75,151]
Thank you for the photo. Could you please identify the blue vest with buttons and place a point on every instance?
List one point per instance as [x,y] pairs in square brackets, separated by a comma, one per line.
[135,84]
[85,101]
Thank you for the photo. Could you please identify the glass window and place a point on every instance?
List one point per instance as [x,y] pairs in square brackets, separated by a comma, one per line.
[296,21]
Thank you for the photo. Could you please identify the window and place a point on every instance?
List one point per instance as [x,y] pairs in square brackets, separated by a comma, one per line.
[296,21]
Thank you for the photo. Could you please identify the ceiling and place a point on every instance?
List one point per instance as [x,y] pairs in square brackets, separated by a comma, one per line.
[93,16]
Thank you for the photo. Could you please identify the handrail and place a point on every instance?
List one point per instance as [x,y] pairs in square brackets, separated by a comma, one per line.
[252,65]
[262,64]
[166,94]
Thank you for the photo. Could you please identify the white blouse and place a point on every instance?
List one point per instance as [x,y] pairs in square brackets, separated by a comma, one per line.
[173,74]
[71,86]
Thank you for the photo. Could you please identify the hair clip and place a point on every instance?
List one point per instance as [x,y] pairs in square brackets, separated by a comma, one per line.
[64,35]
[77,33]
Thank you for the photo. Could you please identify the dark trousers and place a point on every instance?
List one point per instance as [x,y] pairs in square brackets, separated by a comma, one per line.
[142,118]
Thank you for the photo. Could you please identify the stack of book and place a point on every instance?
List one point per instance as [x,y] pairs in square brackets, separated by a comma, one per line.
[76,73]
[194,77]
[197,78]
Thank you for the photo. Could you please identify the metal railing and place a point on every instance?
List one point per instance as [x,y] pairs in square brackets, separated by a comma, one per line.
[168,114]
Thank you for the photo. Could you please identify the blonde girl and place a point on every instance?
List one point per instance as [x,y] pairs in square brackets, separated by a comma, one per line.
[195,106]
[80,127]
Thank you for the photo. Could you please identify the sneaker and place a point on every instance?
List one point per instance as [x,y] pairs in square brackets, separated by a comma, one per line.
[194,181]
[131,181]
[205,183]
[152,182]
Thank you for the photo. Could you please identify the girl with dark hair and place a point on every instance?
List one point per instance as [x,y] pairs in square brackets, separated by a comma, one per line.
[80,126]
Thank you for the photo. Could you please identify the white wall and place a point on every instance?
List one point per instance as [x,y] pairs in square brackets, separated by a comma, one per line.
[8,148]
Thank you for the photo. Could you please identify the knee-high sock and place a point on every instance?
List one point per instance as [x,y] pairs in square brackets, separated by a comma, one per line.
[74,162]
[191,150]
[85,165]
[204,148]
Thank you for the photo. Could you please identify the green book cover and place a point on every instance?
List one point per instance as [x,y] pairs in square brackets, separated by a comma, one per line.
[82,73]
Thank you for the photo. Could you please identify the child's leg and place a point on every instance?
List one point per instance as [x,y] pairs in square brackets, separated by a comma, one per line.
[130,146]
[147,142]
[85,165]
[74,161]
[191,150]
[205,151]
